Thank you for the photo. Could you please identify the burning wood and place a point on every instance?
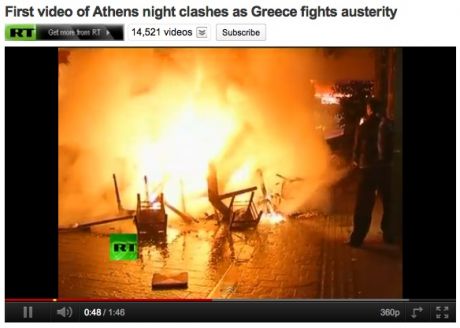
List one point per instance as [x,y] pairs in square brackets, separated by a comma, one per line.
[151,218]
[270,211]
[117,193]
[87,224]
[186,217]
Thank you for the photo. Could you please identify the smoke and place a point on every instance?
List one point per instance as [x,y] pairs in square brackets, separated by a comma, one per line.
[168,112]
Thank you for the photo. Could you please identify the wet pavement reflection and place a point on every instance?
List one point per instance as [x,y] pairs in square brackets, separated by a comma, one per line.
[85,269]
[303,257]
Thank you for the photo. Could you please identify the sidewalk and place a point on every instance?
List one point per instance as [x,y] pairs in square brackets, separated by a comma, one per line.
[297,258]
[307,258]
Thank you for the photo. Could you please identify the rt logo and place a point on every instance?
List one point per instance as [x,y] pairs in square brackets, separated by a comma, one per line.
[123,246]
[20,33]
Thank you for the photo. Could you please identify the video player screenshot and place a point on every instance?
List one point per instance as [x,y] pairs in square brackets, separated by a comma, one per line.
[188,163]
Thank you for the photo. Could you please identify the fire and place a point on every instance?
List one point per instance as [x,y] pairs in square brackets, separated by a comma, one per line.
[329,99]
[176,152]
[182,153]
[273,217]
[166,113]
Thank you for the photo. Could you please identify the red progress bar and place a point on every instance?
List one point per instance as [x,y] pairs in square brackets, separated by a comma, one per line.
[108,300]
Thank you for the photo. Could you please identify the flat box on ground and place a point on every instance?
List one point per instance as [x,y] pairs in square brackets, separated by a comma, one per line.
[163,281]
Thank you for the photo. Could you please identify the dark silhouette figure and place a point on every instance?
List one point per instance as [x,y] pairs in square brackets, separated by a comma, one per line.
[385,147]
[372,154]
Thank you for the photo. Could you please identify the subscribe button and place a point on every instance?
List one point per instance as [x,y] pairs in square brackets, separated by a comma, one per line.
[241,32]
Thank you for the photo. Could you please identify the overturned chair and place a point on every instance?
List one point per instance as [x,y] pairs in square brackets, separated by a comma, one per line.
[151,219]
[239,215]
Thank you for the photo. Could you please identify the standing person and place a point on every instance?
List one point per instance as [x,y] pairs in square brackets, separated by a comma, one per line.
[385,148]
[371,143]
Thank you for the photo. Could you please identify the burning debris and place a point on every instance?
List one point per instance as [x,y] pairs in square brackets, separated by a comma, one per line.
[246,216]
[273,217]
[269,202]
[149,217]
[151,220]
[167,113]
[306,215]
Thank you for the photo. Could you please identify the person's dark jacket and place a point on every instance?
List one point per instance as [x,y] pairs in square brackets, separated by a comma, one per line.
[366,150]
[385,141]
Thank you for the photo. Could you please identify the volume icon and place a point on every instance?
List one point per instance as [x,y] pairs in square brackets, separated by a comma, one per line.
[65,312]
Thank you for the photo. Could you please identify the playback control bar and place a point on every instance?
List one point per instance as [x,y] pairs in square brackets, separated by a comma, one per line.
[64,32]
[231,311]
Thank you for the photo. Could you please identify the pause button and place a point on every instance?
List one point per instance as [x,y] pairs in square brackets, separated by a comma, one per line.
[27,312]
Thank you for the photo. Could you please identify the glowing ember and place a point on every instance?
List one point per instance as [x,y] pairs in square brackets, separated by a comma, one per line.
[329,99]
[273,217]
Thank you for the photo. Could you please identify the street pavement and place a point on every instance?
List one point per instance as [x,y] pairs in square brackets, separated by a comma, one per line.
[303,257]
[308,259]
